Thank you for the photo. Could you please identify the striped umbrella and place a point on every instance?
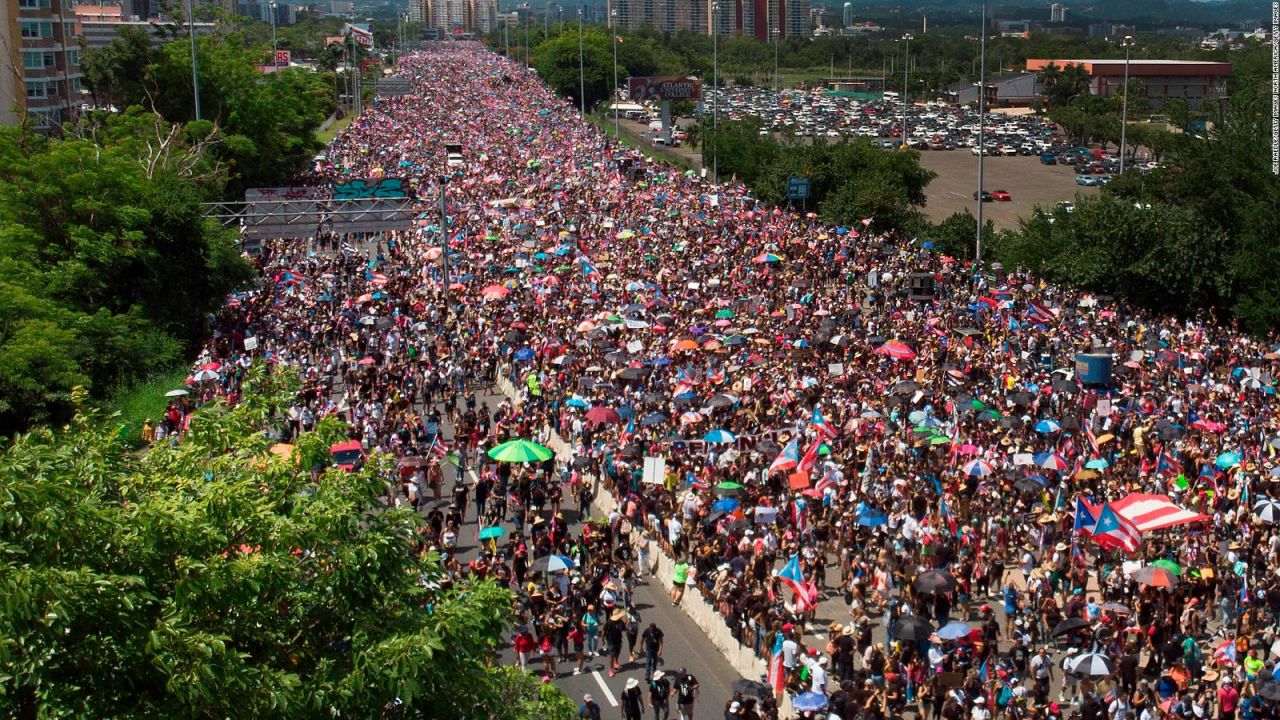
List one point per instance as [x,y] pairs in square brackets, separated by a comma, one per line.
[977,468]
[1268,511]
[1052,461]
[1092,664]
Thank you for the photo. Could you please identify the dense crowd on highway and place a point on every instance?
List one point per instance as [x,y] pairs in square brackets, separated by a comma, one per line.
[881,465]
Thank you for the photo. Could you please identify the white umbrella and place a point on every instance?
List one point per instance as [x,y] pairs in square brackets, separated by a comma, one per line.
[175,393]
[205,376]
[1092,664]
[1268,511]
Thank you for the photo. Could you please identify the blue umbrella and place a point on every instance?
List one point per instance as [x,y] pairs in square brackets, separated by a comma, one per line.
[1048,426]
[1227,460]
[809,702]
[491,533]
[655,418]
[719,436]
[725,504]
[1098,464]
[954,631]
[576,402]
[552,564]
[870,517]
[524,354]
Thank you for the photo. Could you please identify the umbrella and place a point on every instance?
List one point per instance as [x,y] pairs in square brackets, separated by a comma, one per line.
[1051,461]
[977,468]
[728,487]
[809,702]
[1227,460]
[1155,576]
[1169,565]
[1098,464]
[1068,626]
[520,451]
[1047,426]
[954,630]
[654,418]
[175,393]
[492,532]
[550,563]
[1269,689]
[1092,664]
[935,581]
[495,292]
[752,688]
[720,437]
[601,415]
[524,354]
[1268,511]
[912,628]
[896,350]
[205,376]
[725,504]
[576,402]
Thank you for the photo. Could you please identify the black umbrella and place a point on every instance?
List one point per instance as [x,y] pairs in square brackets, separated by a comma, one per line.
[720,401]
[1068,626]
[752,688]
[1269,689]
[1028,485]
[634,373]
[913,628]
[581,461]
[654,418]
[906,387]
[1092,664]
[1066,386]
[935,581]
[632,451]
[1020,398]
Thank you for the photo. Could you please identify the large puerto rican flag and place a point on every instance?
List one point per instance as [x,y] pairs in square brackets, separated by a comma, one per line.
[1154,512]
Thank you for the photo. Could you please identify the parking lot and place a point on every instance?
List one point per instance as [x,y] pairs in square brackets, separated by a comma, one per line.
[1028,182]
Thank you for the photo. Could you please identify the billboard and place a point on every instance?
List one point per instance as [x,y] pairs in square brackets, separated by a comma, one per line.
[664,87]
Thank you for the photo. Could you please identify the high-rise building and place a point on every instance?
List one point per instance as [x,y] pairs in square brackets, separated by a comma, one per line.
[43,78]
[460,15]
[795,18]
[848,15]
[1057,13]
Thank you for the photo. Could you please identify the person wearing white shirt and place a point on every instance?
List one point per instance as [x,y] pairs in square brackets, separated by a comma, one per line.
[980,711]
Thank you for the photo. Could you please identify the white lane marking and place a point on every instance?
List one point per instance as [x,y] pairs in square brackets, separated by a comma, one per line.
[604,688]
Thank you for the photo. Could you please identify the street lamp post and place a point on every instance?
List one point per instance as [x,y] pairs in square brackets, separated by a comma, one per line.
[506,38]
[777,39]
[906,69]
[1127,43]
[982,126]
[613,39]
[195,68]
[715,93]
[275,50]
[582,73]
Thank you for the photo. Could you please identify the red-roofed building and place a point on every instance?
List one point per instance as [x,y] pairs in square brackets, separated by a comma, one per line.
[1192,80]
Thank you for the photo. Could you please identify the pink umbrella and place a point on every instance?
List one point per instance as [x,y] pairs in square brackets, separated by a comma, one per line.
[896,350]
[968,449]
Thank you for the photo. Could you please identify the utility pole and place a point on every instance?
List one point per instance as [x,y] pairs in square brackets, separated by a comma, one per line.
[613,40]
[715,94]
[982,126]
[582,73]
[1124,108]
[906,70]
[275,49]
[195,68]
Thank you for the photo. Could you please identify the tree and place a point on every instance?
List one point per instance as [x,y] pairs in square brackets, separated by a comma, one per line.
[108,268]
[215,579]
[557,61]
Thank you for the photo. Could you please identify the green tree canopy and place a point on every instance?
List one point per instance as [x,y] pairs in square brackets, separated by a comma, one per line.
[215,579]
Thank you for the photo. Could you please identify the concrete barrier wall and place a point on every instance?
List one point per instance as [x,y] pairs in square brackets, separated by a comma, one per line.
[694,605]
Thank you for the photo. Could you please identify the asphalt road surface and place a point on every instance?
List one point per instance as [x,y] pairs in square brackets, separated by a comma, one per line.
[686,645]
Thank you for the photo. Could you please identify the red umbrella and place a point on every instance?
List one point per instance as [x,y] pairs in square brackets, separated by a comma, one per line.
[896,350]
[601,415]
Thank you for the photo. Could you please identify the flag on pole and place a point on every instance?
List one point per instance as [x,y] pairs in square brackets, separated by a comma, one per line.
[791,576]
[1113,530]
[1086,518]
[810,458]
[820,423]
[787,459]
[777,671]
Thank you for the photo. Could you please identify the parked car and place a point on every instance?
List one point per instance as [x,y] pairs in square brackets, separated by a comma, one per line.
[1086,180]
[1048,159]
[1001,195]
[348,455]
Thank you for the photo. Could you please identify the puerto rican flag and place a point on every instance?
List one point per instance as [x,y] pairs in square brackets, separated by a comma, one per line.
[588,268]
[777,671]
[810,458]
[1113,530]
[820,424]
[1086,517]
[438,447]
[787,459]
[1039,314]
[791,576]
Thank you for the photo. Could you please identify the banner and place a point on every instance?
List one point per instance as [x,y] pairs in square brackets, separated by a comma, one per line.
[664,87]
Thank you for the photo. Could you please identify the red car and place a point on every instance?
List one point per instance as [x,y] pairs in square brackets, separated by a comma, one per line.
[1001,195]
[347,455]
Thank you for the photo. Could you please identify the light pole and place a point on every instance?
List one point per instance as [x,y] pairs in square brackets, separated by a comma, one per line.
[906,69]
[275,51]
[1127,43]
[546,17]
[777,38]
[195,68]
[613,39]
[715,93]
[582,73]
[982,126]
[506,37]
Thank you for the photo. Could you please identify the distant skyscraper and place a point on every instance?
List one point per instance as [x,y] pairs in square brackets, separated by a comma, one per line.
[847,20]
[1057,12]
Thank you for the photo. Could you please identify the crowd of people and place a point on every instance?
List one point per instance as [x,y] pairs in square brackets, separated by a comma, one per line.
[879,463]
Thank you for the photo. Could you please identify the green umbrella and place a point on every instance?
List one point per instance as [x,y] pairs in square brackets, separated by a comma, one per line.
[520,451]
[724,314]
[977,404]
[922,430]
[490,533]
[824,449]
[728,488]
[939,440]
[1169,565]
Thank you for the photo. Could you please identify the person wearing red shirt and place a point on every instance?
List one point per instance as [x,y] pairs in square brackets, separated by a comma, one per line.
[1228,700]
